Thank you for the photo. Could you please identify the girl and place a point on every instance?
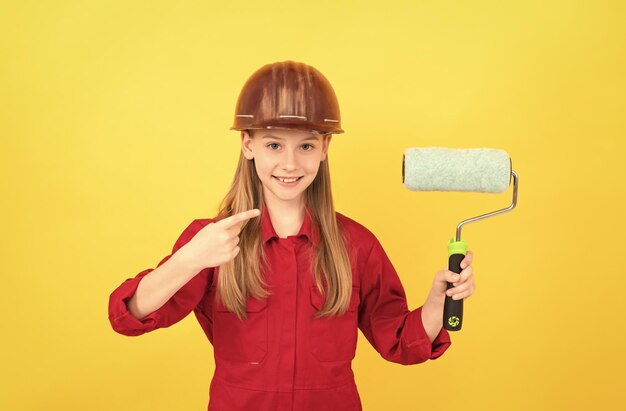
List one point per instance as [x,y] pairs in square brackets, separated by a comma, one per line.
[279,281]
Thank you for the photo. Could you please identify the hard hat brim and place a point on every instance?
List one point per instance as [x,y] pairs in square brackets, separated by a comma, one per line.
[318,130]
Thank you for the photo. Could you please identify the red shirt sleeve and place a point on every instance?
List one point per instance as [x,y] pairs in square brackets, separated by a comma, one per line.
[384,318]
[174,310]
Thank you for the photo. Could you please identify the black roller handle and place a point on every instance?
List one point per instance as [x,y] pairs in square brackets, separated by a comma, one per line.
[453,309]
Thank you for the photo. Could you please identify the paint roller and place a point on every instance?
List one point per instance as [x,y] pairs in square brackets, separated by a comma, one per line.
[485,170]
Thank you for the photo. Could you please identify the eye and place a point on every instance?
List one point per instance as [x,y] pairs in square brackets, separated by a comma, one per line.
[312,147]
[272,144]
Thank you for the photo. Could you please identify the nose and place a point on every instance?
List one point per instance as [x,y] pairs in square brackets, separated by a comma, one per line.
[289,160]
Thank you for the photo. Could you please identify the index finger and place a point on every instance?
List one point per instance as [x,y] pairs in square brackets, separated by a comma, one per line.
[467,260]
[229,222]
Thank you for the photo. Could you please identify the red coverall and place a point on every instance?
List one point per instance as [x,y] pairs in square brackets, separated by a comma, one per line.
[280,358]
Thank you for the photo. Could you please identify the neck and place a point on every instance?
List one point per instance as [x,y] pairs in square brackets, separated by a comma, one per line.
[286,217]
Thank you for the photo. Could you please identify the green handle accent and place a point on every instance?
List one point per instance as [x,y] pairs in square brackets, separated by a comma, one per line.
[457,247]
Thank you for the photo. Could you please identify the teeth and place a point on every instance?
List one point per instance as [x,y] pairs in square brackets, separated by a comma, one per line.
[287,180]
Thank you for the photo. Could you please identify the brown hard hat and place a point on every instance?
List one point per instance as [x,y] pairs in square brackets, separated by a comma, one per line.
[288,95]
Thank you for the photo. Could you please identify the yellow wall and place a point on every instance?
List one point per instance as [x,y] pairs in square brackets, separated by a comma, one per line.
[114,122]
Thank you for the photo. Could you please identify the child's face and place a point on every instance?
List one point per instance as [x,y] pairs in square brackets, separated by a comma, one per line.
[285,153]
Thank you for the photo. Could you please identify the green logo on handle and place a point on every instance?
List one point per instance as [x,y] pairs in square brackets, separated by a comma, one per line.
[454,321]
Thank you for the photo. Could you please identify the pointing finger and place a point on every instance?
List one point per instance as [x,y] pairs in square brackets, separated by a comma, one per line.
[231,221]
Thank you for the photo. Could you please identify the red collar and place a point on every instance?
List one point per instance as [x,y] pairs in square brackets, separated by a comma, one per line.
[309,228]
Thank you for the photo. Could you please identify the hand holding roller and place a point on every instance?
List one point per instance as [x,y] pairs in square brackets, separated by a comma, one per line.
[486,170]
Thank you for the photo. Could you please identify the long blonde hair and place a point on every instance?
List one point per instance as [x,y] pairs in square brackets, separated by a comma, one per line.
[242,277]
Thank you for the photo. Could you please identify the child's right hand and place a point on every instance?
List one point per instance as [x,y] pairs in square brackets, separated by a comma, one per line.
[216,244]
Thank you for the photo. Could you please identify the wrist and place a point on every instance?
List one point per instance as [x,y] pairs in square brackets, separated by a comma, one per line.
[185,262]
[432,314]
[436,299]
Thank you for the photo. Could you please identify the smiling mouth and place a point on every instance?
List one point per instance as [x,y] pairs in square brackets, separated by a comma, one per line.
[288,180]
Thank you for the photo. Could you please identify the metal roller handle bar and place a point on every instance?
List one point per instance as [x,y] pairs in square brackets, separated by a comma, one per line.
[481,217]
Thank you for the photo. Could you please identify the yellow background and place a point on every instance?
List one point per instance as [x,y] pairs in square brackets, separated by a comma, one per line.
[114,122]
